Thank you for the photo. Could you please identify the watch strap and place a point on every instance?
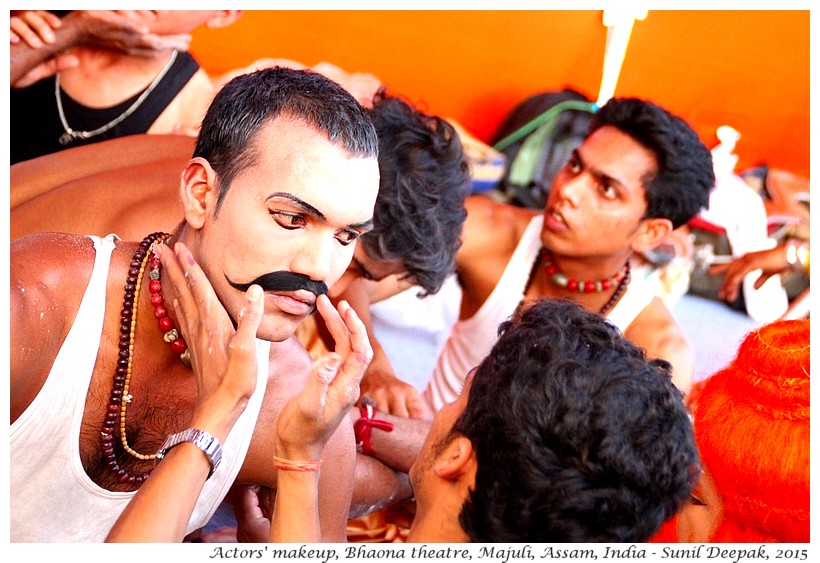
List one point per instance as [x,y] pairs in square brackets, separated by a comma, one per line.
[203,440]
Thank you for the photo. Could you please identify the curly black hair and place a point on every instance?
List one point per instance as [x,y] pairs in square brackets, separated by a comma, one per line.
[685,177]
[419,211]
[578,436]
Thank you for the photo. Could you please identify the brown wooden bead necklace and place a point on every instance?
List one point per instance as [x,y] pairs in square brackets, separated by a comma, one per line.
[622,278]
[119,398]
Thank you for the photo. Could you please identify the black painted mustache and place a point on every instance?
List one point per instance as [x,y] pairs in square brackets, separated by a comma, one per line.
[282,281]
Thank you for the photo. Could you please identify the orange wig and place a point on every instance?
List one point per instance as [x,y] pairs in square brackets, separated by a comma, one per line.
[752,428]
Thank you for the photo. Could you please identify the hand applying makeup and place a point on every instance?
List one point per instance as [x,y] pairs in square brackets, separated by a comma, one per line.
[309,419]
[225,365]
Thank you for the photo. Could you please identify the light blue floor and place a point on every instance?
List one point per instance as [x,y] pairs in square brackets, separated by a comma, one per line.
[714,330]
[412,331]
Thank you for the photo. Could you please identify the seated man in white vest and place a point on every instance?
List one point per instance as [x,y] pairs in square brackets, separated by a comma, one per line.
[640,173]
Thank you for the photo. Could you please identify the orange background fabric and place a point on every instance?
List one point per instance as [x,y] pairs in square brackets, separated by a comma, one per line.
[747,68]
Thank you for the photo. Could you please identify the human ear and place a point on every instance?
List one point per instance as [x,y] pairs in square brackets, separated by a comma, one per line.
[197,191]
[457,460]
[651,233]
[223,18]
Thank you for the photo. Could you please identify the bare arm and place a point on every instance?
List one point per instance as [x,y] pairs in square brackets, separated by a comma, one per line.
[770,262]
[100,28]
[399,448]
[380,381]
[658,333]
[28,55]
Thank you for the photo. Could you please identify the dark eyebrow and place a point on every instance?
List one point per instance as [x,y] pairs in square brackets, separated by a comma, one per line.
[364,226]
[299,202]
[576,154]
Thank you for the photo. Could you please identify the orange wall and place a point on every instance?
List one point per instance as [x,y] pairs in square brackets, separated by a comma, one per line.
[747,69]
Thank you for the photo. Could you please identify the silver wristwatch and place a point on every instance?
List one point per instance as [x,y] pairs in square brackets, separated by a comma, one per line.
[209,445]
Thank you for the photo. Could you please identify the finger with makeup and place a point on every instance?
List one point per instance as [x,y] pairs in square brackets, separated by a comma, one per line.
[309,419]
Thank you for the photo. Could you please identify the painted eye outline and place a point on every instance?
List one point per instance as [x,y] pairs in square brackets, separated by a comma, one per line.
[574,165]
[278,215]
[354,236]
[695,501]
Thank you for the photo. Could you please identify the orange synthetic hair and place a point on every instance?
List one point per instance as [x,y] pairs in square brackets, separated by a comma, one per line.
[752,429]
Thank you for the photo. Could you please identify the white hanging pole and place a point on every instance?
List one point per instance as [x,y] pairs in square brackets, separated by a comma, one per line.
[619,21]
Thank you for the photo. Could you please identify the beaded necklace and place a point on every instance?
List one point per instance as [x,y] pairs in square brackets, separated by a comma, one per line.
[119,398]
[622,278]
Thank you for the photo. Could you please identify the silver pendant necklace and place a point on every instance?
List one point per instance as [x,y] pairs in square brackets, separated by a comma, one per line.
[69,134]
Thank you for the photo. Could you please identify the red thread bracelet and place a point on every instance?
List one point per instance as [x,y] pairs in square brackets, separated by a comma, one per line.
[363,427]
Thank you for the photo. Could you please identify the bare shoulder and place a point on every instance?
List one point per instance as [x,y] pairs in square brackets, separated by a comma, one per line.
[50,263]
[48,276]
[187,108]
[491,227]
[657,331]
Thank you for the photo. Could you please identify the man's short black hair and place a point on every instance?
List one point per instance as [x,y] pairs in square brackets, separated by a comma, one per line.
[578,436]
[680,189]
[419,211]
[246,103]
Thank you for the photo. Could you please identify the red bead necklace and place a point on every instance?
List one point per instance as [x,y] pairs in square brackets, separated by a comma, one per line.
[560,279]
[169,332]
[119,398]
[620,280]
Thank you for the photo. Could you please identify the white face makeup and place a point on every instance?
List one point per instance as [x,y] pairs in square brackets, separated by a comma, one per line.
[297,208]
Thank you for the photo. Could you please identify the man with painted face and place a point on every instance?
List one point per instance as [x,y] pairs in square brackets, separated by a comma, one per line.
[282,183]
[417,218]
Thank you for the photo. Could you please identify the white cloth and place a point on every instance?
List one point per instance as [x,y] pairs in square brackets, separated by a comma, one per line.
[413,331]
[52,498]
[472,339]
[734,206]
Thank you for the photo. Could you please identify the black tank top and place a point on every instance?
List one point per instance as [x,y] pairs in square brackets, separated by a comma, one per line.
[35,122]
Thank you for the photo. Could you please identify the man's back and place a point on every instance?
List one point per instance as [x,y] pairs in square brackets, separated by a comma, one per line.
[132,190]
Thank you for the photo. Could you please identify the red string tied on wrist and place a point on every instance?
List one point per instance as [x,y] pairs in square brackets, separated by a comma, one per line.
[363,427]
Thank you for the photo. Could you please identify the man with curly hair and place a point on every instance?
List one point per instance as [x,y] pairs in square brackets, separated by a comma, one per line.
[640,173]
[565,432]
